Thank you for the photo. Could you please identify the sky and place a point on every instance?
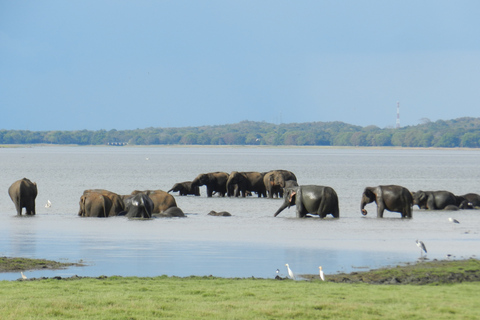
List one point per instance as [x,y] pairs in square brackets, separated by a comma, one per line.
[113,64]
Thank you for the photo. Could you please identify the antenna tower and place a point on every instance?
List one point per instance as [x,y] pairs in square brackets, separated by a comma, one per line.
[398,115]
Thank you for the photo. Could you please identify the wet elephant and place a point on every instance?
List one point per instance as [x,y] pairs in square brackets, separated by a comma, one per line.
[472,199]
[214,181]
[95,204]
[219,214]
[313,199]
[274,182]
[391,197]
[161,200]
[23,193]
[245,182]
[185,188]
[170,213]
[138,206]
[116,202]
[434,200]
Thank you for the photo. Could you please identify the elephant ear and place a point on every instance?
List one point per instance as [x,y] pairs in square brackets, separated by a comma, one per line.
[369,194]
[291,196]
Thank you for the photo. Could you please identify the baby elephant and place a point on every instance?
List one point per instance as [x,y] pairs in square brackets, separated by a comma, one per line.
[392,198]
[219,214]
[185,188]
[311,199]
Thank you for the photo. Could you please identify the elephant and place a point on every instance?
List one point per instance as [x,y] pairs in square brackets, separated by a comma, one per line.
[391,197]
[95,204]
[23,193]
[274,182]
[473,199]
[185,188]
[219,214]
[116,202]
[215,182]
[170,213]
[313,199]
[246,182]
[138,206]
[161,200]
[434,200]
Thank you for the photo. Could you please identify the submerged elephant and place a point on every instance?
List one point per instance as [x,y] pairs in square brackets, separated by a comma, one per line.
[170,213]
[472,199]
[185,188]
[219,214]
[274,182]
[115,202]
[23,193]
[214,181]
[392,198]
[434,200]
[318,200]
[161,199]
[138,206]
[245,182]
[95,204]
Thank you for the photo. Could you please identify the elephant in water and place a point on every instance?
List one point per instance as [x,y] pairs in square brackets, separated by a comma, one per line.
[246,182]
[23,194]
[311,199]
[274,182]
[185,188]
[215,182]
[170,213]
[113,202]
[161,199]
[434,200]
[94,204]
[138,206]
[219,214]
[391,197]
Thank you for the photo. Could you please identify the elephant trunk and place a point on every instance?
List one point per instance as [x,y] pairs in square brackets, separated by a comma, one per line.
[284,205]
[362,206]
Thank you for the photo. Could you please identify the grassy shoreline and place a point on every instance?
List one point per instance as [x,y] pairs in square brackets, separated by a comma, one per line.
[247,298]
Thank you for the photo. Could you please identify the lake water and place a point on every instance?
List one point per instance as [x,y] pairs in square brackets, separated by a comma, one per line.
[251,242]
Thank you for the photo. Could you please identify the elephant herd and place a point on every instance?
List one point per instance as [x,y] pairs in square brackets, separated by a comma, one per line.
[313,199]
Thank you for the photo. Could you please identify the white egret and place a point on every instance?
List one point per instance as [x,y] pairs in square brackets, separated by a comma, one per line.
[290,272]
[24,277]
[422,247]
[322,276]
[49,204]
[453,220]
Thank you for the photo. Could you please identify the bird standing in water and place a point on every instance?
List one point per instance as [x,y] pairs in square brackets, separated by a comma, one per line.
[290,272]
[422,247]
[322,276]
[453,220]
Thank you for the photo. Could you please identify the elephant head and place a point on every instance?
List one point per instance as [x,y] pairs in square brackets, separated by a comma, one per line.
[368,196]
[289,199]
[420,199]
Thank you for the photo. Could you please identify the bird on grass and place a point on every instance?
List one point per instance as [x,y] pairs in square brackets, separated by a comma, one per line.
[24,277]
[453,220]
[290,272]
[422,247]
[322,276]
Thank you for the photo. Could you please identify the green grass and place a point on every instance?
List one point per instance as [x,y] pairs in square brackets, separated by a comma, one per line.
[218,298]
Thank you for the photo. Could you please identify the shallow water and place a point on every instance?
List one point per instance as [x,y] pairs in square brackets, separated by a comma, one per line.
[251,242]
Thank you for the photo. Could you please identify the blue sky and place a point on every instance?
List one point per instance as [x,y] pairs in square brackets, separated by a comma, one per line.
[73,65]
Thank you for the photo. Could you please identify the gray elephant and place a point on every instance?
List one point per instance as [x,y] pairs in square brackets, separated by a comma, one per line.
[115,202]
[23,193]
[274,182]
[472,199]
[244,182]
[434,200]
[313,199]
[170,213]
[214,181]
[138,206]
[219,214]
[95,204]
[391,197]
[161,199]
[185,188]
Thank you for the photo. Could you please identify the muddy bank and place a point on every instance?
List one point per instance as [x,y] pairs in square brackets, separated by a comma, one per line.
[23,264]
[431,272]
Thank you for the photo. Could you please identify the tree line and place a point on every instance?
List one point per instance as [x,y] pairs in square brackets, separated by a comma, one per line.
[461,132]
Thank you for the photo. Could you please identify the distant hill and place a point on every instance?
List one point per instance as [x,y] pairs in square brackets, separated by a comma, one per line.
[461,132]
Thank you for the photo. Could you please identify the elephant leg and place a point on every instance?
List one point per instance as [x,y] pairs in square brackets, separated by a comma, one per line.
[380,209]
[209,192]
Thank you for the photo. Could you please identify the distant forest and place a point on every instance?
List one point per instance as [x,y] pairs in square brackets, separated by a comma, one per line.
[461,132]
